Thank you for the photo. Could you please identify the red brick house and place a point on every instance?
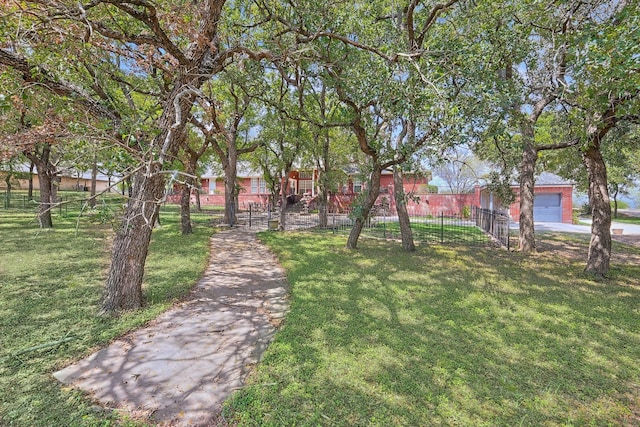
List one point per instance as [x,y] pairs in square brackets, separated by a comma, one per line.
[553,200]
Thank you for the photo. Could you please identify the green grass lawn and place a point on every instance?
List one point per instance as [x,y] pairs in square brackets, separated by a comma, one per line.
[448,336]
[432,231]
[627,219]
[51,282]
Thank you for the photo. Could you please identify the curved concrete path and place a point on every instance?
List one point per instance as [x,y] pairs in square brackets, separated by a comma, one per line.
[178,370]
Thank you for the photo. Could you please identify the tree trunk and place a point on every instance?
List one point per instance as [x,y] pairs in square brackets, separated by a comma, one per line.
[94,179]
[123,290]
[185,206]
[30,193]
[44,211]
[40,158]
[131,244]
[372,193]
[198,201]
[323,205]
[129,183]
[283,198]
[527,242]
[323,178]
[230,190]
[600,245]
[55,186]
[186,189]
[406,233]
[616,189]
[7,180]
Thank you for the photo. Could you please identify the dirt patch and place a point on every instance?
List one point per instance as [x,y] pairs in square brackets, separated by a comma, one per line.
[629,240]
[576,248]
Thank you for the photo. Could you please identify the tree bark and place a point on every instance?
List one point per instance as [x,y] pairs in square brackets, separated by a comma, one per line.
[44,211]
[600,245]
[323,205]
[527,242]
[7,180]
[371,196]
[131,243]
[406,233]
[230,190]
[40,157]
[323,183]
[191,164]
[198,202]
[323,166]
[284,188]
[283,201]
[616,189]
[185,206]
[30,193]
[94,179]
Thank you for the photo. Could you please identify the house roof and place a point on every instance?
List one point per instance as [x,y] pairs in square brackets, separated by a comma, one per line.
[548,178]
[69,172]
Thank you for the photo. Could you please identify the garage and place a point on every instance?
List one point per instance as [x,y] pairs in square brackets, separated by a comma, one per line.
[547,207]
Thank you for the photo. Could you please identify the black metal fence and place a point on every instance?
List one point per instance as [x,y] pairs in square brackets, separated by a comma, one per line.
[476,227]
[66,202]
[494,223]
[444,228]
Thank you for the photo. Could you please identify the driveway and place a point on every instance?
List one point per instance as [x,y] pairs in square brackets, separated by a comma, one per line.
[627,229]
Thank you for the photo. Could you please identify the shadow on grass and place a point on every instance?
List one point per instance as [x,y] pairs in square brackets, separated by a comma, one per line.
[445,336]
[52,282]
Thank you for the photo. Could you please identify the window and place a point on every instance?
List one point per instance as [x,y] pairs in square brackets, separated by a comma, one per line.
[357,186]
[305,175]
[212,186]
[258,185]
[305,186]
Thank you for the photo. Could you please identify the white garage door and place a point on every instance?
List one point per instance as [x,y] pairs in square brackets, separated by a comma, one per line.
[547,207]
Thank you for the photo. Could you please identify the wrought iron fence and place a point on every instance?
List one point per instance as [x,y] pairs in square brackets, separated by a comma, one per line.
[494,223]
[67,203]
[443,228]
[477,227]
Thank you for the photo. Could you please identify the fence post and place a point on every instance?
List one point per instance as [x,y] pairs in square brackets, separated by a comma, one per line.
[249,215]
[441,227]
[334,222]
[384,223]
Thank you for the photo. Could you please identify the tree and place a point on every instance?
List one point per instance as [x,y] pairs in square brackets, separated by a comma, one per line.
[606,95]
[36,135]
[283,133]
[461,170]
[393,99]
[177,46]
[401,207]
[623,163]
[192,150]
[227,113]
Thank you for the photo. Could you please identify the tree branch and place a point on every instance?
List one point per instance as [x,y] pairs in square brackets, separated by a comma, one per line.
[39,75]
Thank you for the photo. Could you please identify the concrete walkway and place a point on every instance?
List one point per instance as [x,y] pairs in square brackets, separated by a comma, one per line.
[179,369]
